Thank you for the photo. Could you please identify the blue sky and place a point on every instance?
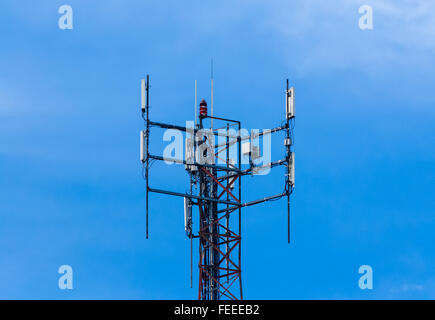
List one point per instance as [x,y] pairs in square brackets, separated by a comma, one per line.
[71,190]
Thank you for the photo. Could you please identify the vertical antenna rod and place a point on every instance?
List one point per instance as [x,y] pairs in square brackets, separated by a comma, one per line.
[212,94]
[196,102]
[288,161]
[147,109]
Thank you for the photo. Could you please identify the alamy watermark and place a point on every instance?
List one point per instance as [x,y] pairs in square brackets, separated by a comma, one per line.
[366,20]
[66,279]
[204,146]
[66,20]
[366,280]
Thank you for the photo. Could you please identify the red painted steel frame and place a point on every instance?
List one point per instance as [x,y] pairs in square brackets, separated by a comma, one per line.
[229,281]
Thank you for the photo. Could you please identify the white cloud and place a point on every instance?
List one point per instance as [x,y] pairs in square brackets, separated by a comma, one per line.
[311,33]
[325,34]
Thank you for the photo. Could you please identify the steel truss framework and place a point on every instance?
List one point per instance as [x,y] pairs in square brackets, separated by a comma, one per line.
[219,206]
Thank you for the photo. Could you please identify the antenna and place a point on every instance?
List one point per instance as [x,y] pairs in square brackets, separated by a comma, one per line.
[196,101]
[213,205]
[211,76]
[145,106]
[143,94]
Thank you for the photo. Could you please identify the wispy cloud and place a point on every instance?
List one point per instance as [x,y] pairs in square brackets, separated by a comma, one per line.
[311,34]
[325,34]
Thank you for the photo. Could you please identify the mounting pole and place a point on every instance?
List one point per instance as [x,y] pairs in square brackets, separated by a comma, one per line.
[196,102]
[227,148]
[212,98]
[288,163]
[147,109]
[239,151]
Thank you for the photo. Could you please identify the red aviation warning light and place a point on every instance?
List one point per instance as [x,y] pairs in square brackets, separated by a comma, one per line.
[203,108]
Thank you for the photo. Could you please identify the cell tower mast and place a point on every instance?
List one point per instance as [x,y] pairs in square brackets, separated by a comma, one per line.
[216,189]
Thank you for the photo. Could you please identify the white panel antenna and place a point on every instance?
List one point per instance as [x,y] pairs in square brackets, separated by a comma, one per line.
[190,154]
[143,147]
[248,149]
[290,103]
[143,95]
[187,216]
[291,169]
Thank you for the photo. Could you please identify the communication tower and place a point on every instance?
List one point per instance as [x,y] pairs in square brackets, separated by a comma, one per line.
[214,203]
